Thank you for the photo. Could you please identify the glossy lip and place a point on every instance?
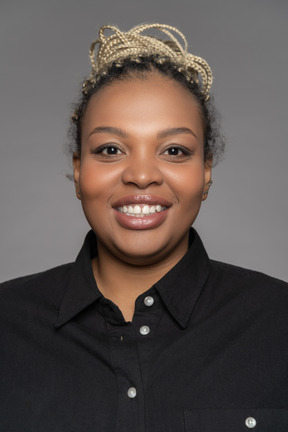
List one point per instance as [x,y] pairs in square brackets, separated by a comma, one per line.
[141,223]
[141,199]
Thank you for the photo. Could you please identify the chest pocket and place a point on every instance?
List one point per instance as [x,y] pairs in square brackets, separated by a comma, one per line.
[236,420]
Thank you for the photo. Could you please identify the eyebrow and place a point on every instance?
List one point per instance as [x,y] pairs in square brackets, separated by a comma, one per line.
[175,131]
[162,134]
[109,129]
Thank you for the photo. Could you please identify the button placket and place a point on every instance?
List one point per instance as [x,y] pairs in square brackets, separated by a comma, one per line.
[145,329]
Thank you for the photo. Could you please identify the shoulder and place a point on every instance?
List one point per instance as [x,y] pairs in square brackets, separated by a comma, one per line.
[47,286]
[230,272]
[248,286]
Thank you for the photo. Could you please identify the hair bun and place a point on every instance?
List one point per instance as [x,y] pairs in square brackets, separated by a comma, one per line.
[118,46]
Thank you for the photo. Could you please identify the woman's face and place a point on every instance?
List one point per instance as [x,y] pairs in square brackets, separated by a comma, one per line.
[141,172]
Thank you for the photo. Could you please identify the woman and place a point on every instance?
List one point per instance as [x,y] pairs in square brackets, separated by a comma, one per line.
[143,332]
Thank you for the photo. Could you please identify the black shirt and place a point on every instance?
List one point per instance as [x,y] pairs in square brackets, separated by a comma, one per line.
[207,350]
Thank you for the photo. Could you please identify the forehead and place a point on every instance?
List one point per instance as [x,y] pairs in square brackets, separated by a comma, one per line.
[145,103]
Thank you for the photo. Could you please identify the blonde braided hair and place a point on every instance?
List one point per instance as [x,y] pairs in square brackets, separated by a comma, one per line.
[117,47]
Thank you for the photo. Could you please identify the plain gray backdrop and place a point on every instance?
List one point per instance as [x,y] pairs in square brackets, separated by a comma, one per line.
[44,56]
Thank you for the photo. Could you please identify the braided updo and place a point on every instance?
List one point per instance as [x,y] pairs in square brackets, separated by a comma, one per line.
[126,55]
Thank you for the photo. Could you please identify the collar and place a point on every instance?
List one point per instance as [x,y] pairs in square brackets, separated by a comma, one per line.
[179,289]
[81,290]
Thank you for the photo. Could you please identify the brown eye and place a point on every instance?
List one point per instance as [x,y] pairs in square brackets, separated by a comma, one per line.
[111,150]
[108,150]
[174,151]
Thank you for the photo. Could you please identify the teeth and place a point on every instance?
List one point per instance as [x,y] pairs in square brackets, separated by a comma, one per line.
[137,209]
[147,210]
[140,210]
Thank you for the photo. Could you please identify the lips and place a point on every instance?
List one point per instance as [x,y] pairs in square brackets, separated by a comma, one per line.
[140,212]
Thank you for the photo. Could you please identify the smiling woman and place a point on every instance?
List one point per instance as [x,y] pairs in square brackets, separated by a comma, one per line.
[144,332]
[137,166]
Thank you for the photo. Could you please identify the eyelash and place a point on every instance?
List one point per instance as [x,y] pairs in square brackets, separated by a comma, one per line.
[185,151]
[100,150]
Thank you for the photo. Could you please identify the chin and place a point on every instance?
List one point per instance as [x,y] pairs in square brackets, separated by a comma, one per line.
[140,254]
[142,249]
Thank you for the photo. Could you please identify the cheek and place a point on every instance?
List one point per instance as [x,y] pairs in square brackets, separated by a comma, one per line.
[96,180]
[188,182]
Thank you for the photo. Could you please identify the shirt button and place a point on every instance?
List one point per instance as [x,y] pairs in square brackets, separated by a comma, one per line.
[250,422]
[132,392]
[144,330]
[148,301]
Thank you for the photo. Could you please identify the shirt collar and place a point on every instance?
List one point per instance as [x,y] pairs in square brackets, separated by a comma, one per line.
[81,290]
[179,288]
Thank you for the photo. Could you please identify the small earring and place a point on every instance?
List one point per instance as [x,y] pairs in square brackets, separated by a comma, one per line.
[205,193]
[79,194]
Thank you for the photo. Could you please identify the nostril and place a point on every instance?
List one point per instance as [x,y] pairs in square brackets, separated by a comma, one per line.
[142,175]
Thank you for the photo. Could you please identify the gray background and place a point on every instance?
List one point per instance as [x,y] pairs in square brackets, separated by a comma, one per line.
[44,56]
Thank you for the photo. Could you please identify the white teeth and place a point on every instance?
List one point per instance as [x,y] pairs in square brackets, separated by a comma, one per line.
[137,209]
[141,210]
[146,210]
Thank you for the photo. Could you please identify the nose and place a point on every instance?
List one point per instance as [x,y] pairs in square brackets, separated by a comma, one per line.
[142,172]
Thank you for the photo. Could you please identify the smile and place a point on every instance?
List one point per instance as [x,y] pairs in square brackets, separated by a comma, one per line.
[140,210]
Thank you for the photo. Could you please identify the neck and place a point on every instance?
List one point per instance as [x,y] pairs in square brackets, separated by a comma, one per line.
[122,282]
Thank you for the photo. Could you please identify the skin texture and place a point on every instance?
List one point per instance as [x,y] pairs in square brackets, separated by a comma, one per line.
[138,161]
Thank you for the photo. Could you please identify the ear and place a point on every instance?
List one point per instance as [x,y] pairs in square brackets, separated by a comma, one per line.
[76,170]
[207,176]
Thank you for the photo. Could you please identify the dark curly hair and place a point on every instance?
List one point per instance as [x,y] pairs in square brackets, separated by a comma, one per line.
[213,139]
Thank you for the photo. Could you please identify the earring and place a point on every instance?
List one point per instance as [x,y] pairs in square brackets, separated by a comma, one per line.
[78,194]
[205,193]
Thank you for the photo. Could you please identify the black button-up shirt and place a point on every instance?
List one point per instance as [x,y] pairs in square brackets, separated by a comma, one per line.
[207,350]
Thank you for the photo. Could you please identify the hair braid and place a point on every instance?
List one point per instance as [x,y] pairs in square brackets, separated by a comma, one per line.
[133,45]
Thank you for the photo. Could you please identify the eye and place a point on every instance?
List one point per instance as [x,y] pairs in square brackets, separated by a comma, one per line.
[108,150]
[173,151]
[111,150]
[176,151]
